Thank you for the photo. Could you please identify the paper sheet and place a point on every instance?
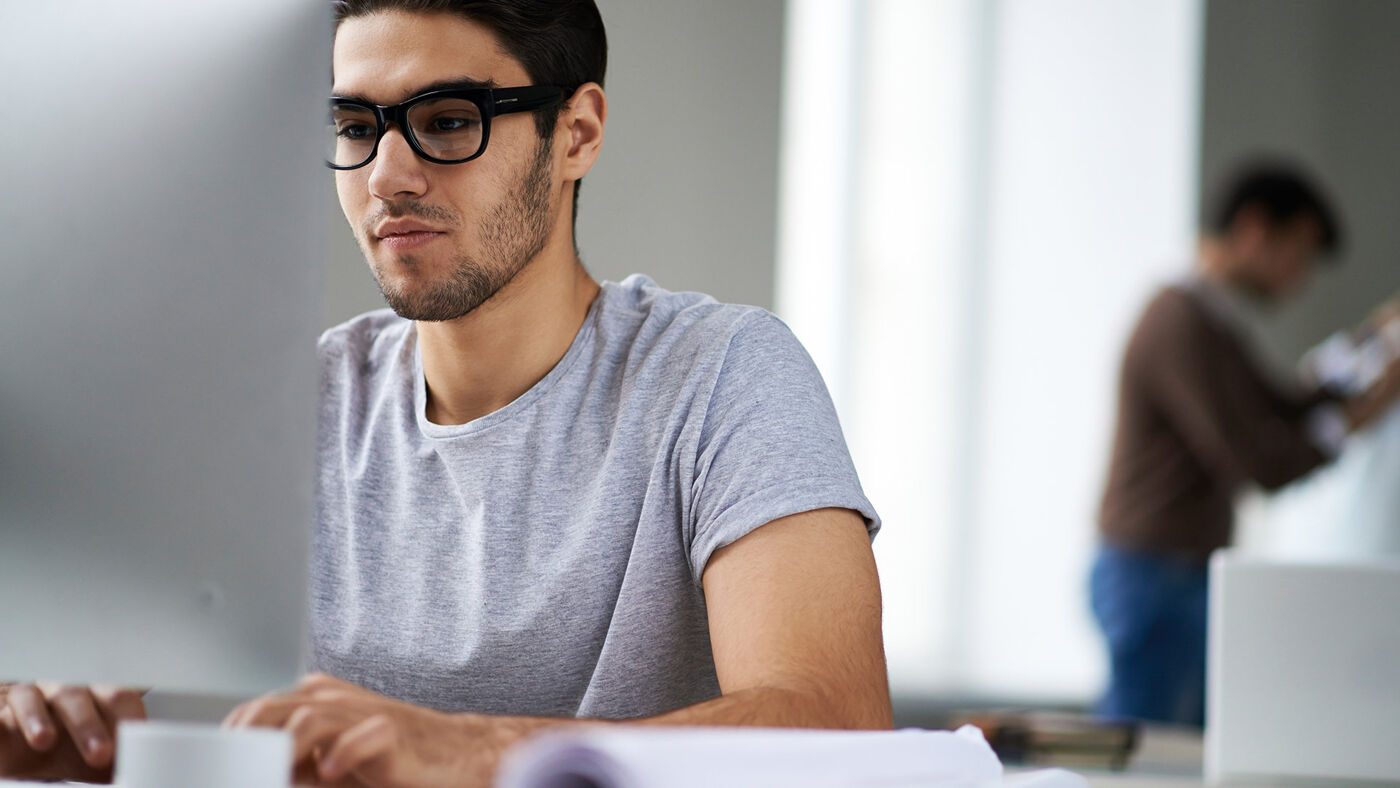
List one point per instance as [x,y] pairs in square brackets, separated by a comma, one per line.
[660,757]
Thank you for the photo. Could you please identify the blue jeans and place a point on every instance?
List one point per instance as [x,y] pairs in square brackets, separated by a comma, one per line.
[1152,610]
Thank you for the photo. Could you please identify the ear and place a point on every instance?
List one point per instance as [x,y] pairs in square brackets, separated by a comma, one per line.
[579,133]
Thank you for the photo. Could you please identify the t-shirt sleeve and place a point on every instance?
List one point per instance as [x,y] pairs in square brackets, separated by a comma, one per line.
[771,444]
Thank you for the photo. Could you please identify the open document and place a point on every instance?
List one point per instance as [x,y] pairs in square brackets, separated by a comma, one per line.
[653,757]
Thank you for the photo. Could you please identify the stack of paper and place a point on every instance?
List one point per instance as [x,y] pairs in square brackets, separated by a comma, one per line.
[658,757]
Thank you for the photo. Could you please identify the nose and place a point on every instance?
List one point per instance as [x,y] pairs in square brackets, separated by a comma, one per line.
[396,171]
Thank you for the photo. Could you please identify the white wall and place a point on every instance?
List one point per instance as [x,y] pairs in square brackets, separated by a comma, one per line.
[686,187]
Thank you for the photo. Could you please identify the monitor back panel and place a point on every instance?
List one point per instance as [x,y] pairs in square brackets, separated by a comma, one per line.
[165,212]
[1303,671]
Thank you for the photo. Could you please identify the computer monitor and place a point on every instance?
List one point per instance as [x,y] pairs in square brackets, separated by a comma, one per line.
[163,207]
[1303,671]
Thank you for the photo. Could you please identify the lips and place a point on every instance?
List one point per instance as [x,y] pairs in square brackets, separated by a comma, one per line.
[401,234]
[395,227]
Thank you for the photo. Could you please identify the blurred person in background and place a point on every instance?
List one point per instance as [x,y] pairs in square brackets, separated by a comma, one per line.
[1200,417]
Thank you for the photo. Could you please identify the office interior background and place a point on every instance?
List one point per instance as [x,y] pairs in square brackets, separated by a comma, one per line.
[959,206]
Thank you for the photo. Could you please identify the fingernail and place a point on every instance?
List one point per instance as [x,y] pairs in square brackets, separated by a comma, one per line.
[36,728]
[94,744]
[330,769]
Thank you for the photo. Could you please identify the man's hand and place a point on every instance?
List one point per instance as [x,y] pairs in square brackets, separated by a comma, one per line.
[1366,407]
[60,731]
[345,736]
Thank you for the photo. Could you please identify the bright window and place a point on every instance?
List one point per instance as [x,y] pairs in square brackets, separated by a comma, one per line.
[977,196]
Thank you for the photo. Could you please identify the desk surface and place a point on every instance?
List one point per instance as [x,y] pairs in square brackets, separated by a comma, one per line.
[1173,758]
[1166,757]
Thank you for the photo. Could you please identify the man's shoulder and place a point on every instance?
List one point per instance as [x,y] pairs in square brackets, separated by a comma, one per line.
[1173,314]
[364,336]
[675,320]
[1173,302]
[1178,330]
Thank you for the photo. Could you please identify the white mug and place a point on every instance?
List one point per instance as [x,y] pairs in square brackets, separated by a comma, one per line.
[183,754]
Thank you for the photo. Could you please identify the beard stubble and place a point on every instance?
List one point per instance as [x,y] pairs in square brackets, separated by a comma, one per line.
[512,234]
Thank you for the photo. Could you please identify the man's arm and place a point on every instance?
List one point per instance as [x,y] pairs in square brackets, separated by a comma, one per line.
[795,627]
[1215,398]
[1363,409]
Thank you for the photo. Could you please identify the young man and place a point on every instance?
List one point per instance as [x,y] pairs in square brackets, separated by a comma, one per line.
[541,499]
[1198,418]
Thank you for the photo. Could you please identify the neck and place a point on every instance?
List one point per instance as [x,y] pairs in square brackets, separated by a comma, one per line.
[483,361]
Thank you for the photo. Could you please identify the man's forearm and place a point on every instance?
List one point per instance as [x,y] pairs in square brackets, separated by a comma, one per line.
[769,707]
[775,707]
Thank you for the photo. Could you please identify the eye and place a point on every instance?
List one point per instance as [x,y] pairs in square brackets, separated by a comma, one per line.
[449,124]
[354,131]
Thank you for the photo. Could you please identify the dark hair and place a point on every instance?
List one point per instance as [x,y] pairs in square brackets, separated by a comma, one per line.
[559,42]
[1283,193]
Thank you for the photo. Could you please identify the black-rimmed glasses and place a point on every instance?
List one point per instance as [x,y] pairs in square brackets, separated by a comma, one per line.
[443,126]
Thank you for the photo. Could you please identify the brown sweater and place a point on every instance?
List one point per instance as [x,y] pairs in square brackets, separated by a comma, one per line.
[1197,418]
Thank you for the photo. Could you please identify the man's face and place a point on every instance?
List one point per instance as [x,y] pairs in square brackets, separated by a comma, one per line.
[1277,258]
[441,238]
[1290,251]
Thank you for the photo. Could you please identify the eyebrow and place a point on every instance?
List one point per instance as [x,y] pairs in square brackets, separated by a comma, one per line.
[459,83]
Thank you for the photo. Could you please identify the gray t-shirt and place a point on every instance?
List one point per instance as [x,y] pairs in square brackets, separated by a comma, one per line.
[546,559]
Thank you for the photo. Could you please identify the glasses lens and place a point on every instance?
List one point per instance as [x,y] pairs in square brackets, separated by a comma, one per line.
[447,128]
[350,135]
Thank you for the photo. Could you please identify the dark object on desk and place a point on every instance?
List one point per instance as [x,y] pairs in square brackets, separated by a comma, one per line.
[1033,738]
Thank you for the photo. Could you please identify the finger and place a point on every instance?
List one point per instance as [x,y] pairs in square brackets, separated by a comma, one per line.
[15,751]
[313,682]
[323,686]
[313,728]
[234,719]
[304,774]
[118,703]
[358,747]
[60,762]
[32,713]
[9,726]
[78,712]
[269,711]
